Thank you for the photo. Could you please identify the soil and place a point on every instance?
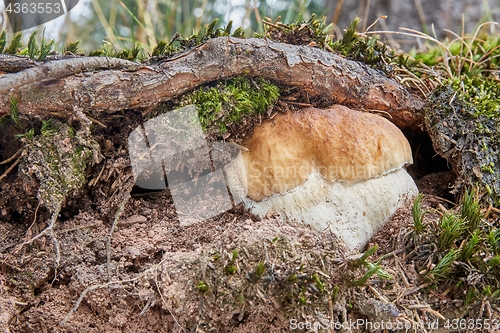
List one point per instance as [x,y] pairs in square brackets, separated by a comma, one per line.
[230,273]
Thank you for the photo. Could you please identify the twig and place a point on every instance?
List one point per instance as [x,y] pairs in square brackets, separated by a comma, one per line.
[16,302]
[9,169]
[271,25]
[427,308]
[57,252]
[147,306]
[438,198]
[96,122]
[113,227]
[414,290]
[80,227]
[4,262]
[53,220]
[163,299]
[28,232]
[299,104]
[62,68]
[94,181]
[50,231]
[380,111]
[489,210]
[153,269]
[384,299]
[94,287]
[13,157]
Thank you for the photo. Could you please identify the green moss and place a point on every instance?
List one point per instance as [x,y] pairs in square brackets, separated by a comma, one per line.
[57,158]
[265,270]
[259,269]
[135,53]
[466,136]
[481,92]
[3,41]
[29,135]
[366,49]
[33,50]
[311,32]
[318,283]
[471,246]
[418,215]
[444,268]
[202,287]
[372,270]
[355,46]
[15,45]
[72,48]
[240,298]
[493,239]
[228,102]
[14,111]
[450,229]
[230,269]
[464,255]
[50,127]
[178,43]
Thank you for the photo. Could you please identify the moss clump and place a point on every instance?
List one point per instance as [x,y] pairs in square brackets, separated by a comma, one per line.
[229,101]
[313,32]
[230,269]
[14,111]
[178,43]
[33,50]
[464,128]
[481,92]
[366,49]
[463,255]
[265,270]
[58,158]
[202,287]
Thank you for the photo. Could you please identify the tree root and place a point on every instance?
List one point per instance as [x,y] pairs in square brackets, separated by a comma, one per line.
[152,270]
[9,169]
[50,232]
[113,227]
[57,86]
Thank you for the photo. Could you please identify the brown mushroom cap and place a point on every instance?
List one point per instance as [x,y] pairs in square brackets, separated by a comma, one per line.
[339,143]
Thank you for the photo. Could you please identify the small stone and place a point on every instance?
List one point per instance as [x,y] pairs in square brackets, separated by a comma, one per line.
[135,219]
[271,214]
[133,251]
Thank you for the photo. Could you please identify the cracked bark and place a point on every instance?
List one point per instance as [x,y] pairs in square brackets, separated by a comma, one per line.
[98,84]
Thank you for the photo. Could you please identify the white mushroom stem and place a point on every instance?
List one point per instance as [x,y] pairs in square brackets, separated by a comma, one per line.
[352,211]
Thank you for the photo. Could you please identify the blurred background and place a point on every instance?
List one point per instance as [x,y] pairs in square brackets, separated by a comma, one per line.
[125,22]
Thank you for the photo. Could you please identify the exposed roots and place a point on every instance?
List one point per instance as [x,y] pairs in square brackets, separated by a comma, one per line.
[9,169]
[50,232]
[128,189]
[153,270]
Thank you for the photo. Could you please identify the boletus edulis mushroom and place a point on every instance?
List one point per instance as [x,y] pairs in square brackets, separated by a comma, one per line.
[336,169]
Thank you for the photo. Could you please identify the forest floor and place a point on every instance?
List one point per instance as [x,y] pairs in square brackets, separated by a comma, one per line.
[230,273]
